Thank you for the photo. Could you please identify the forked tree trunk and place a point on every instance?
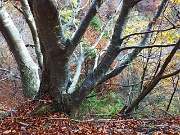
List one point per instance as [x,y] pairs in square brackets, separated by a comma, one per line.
[55,76]
[57,51]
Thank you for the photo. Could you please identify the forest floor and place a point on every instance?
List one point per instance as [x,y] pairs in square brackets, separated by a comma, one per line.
[19,121]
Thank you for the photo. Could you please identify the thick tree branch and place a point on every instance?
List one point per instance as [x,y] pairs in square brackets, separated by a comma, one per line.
[121,23]
[82,56]
[93,78]
[145,47]
[168,59]
[85,23]
[102,31]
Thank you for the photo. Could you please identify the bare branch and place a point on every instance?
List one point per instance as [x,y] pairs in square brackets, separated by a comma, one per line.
[130,57]
[147,32]
[102,31]
[175,86]
[75,79]
[121,23]
[157,78]
[171,74]
[145,47]
[85,23]
[84,5]
[168,59]
[73,16]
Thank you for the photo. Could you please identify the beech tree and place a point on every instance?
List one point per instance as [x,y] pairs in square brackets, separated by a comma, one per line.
[54,52]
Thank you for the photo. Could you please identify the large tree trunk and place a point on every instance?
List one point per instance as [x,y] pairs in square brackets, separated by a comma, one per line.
[55,76]
[28,69]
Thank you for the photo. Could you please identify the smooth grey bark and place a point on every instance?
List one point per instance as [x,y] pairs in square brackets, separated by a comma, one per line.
[85,23]
[58,49]
[28,69]
[54,46]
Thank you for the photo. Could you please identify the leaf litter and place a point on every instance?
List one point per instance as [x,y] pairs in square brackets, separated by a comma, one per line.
[21,122]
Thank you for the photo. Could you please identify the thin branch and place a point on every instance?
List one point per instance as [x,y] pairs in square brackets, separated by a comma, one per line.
[175,85]
[97,58]
[170,21]
[76,75]
[147,32]
[69,23]
[84,5]
[145,47]
[102,31]
[171,74]
[157,78]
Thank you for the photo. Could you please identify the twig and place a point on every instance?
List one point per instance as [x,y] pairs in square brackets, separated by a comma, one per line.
[145,47]
[22,123]
[147,32]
